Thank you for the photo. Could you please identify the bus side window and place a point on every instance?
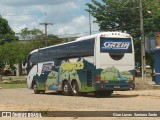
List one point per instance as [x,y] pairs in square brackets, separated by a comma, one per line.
[57,64]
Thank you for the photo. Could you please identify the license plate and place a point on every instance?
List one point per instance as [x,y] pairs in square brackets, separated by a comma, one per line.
[116,86]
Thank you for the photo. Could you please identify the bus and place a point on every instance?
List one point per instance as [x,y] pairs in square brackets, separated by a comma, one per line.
[99,63]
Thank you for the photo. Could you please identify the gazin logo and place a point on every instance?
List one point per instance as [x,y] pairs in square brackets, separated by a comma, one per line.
[116,45]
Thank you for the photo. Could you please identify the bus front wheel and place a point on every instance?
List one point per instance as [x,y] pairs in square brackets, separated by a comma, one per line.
[35,88]
[66,88]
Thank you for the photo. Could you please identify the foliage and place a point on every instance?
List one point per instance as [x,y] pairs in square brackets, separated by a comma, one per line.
[6,33]
[11,53]
[123,15]
[137,49]
[151,13]
[31,34]
[52,36]
[38,37]
[34,34]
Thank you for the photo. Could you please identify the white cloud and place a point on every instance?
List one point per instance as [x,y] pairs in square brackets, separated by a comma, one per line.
[67,16]
[33,2]
[66,30]
[77,25]
[80,20]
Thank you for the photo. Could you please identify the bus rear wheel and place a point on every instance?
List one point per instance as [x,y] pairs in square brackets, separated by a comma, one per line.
[109,93]
[35,88]
[75,89]
[66,88]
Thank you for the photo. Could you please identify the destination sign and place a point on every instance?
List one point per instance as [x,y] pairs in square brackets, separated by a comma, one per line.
[116,45]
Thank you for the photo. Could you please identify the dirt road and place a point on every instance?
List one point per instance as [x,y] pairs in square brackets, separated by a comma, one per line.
[26,100]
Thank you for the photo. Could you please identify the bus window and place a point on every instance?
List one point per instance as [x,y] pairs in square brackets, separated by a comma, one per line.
[81,48]
[31,61]
[116,56]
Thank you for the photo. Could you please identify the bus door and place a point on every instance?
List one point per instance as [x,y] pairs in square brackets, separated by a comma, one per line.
[53,79]
[43,70]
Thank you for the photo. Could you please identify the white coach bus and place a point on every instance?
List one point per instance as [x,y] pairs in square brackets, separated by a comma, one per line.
[99,63]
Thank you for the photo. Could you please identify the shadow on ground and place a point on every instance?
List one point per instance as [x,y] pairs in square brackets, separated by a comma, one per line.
[91,95]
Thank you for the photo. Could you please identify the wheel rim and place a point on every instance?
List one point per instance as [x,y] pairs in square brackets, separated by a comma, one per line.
[65,88]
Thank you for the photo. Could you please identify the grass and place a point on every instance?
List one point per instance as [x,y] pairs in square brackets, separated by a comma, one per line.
[13,85]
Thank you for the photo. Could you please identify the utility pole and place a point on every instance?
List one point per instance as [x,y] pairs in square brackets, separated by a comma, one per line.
[90,32]
[142,42]
[45,25]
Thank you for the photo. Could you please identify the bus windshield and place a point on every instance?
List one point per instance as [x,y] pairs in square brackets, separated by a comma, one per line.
[114,45]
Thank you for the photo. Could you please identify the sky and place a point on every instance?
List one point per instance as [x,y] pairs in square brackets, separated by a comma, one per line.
[69,17]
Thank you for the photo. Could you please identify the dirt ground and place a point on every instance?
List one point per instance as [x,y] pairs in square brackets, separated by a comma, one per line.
[25,100]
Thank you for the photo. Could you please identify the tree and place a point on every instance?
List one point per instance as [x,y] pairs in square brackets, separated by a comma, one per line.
[11,53]
[123,15]
[39,36]
[31,34]
[6,33]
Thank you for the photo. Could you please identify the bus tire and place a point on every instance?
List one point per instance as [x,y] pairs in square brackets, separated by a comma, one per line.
[35,88]
[42,91]
[109,93]
[98,94]
[67,88]
[75,88]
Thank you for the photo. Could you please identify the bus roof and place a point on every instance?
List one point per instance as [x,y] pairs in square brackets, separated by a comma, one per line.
[108,34]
